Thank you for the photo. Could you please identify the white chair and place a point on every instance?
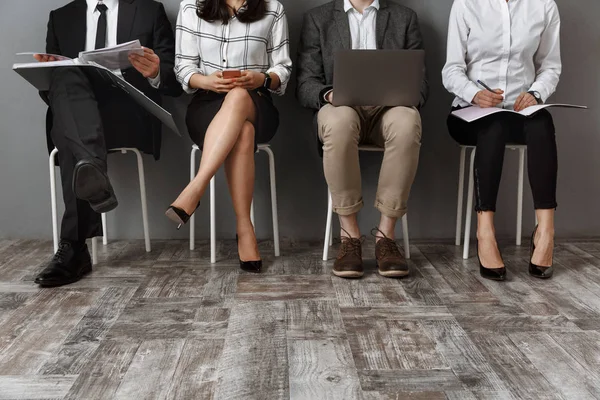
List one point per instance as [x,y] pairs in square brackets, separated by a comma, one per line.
[461,183]
[328,226]
[140,162]
[213,236]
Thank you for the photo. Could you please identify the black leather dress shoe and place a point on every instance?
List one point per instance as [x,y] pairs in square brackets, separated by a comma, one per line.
[91,183]
[70,263]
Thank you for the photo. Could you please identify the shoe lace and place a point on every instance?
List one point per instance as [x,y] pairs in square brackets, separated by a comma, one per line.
[386,245]
[63,249]
[350,245]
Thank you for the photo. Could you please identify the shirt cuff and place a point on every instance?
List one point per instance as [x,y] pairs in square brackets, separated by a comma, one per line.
[155,82]
[469,92]
[325,96]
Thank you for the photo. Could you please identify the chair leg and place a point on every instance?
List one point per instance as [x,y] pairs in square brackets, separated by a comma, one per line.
[520,196]
[252,214]
[405,236]
[193,217]
[94,251]
[328,231]
[469,207]
[142,178]
[461,188]
[104,230]
[213,223]
[274,213]
[52,170]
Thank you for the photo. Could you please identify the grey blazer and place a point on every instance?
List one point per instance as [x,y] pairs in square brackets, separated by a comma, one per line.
[327,29]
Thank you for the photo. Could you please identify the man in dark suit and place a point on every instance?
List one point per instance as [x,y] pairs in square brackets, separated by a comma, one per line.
[87,117]
[361,24]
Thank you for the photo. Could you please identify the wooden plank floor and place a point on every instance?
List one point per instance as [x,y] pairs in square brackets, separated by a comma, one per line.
[168,325]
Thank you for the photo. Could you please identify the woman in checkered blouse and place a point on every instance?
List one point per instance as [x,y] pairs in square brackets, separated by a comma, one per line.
[229,116]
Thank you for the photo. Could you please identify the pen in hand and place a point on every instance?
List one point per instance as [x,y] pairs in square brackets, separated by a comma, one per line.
[489,97]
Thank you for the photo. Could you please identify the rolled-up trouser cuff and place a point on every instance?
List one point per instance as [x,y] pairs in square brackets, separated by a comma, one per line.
[350,210]
[388,211]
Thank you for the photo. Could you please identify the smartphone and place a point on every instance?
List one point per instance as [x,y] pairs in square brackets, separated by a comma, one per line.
[232,74]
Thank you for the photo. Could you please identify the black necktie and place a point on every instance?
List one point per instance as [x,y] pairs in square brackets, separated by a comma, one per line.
[101,32]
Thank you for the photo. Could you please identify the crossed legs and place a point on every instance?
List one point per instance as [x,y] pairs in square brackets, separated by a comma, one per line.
[229,141]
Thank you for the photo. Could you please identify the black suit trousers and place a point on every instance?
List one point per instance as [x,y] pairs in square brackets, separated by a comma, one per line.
[78,132]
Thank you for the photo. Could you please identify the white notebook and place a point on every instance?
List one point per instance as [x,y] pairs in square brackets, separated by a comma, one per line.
[474,113]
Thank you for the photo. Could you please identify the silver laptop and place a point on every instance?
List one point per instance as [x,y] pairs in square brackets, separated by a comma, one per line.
[378,77]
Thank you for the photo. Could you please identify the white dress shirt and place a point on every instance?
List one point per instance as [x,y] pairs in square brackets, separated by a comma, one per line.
[112,21]
[363,26]
[206,47]
[513,46]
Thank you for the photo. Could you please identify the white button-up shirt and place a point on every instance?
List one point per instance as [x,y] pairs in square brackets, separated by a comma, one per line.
[112,21]
[513,46]
[363,26]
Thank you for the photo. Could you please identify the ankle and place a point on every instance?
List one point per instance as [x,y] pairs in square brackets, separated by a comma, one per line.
[485,235]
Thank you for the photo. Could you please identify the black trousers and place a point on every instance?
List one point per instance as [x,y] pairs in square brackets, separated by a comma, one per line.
[78,133]
[491,135]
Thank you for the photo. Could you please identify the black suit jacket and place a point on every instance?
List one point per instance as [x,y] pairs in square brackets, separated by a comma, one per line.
[146,20]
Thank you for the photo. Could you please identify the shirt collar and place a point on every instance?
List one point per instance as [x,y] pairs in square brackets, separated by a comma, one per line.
[348,6]
[111,4]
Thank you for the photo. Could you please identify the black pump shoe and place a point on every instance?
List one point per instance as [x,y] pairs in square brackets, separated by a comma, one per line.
[249,266]
[495,274]
[536,270]
[179,216]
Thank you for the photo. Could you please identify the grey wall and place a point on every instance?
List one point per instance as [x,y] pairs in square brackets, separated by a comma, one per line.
[24,187]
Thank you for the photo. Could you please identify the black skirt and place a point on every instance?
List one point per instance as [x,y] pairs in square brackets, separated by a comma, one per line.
[205,106]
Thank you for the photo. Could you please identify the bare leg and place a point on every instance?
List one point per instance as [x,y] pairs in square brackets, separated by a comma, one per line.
[387,225]
[221,137]
[486,235]
[349,225]
[239,168]
[544,238]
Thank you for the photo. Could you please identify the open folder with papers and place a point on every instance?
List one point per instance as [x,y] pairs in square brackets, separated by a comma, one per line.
[474,113]
[116,57]
[39,75]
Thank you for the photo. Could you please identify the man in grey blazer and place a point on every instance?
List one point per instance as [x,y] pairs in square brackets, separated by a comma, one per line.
[361,24]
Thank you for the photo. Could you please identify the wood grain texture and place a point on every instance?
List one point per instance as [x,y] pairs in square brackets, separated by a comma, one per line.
[254,364]
[169,325]
[322,369]
[34,387]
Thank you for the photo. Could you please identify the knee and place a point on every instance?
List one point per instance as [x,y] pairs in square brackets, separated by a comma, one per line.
[402,126]
[238,98]
[541,126]
[338,125]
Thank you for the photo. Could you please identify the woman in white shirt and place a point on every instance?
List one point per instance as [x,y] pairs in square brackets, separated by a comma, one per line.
[229,116]
[512,45]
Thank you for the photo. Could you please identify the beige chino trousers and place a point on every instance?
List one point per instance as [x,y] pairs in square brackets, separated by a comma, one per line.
[396,129]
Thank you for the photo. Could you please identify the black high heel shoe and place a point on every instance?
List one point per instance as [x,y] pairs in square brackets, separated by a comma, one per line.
[179,216]
[249,266]
[495,274]
[536,270]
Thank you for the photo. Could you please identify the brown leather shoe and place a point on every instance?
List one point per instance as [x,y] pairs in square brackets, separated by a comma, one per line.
[390,262]
[348,263]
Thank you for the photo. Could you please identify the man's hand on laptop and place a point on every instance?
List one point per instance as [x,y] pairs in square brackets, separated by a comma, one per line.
[148,64]
[44,57]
